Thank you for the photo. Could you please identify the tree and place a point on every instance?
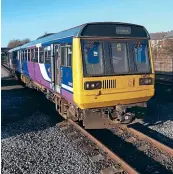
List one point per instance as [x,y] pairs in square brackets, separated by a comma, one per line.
[16,42]
[24,41]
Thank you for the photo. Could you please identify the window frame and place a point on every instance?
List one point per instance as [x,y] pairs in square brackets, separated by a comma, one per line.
[32,54]
[127,55]
[25,55]
[101,41]
[29,55]
[66,47]
[106,53]
[36,54]
[41,50]
[47,55]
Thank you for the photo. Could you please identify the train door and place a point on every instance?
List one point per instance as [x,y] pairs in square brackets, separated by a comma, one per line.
[57,68]
[66,69]
[52,66]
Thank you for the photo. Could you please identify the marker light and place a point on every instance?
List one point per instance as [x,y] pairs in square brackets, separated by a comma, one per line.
[145,81]
[92,85]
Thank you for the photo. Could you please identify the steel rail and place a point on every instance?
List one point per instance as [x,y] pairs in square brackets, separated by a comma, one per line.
[143,136]
[156,143]
[126,167]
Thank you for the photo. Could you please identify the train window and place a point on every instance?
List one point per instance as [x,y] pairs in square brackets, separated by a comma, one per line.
[66,55]
[29,55]
[119,57]
[15,55]
[48,58]
[25,55]
[93,57]
[63,56]
[21,55]
[142,57]
[41,54]
[56,50]
[32,55]
[36,55]
[47,55]
[18,55]
[69,56]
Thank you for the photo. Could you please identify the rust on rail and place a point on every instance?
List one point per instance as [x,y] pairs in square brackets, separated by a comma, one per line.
[158,144]
[126,167]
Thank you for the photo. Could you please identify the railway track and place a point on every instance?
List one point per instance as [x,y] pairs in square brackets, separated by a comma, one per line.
[160,154]
[111,163]
[134,151]
[155,150]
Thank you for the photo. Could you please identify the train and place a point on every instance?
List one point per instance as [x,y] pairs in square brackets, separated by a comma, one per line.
[95,73]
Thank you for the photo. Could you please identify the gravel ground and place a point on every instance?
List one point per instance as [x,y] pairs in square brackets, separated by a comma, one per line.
[31,143]
[160,117]
[30,140]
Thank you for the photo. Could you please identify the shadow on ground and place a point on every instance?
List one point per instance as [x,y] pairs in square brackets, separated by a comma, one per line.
[135,158]
[25,110]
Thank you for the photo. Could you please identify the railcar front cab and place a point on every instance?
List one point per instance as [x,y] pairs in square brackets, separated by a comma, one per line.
[114,66]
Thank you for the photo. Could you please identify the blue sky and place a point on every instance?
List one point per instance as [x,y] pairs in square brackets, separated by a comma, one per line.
[31,18]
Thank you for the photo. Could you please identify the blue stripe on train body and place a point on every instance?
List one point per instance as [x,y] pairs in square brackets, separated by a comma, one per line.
[25,68]
[67,81]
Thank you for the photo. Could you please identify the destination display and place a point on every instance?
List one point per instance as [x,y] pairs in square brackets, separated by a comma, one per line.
[114,30]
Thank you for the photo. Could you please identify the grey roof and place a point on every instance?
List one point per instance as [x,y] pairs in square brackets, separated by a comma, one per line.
[157,36]
[169,35]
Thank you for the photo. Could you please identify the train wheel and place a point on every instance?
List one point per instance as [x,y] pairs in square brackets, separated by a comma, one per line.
[126,118]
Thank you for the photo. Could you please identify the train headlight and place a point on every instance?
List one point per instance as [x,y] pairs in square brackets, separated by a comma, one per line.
[145,81]
[92,85]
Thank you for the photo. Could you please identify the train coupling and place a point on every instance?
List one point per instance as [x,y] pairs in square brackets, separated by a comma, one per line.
[96,119]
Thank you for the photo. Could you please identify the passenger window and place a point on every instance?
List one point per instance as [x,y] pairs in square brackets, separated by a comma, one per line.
[25,55]
[14,55]
[36,55]
[18,55]
[47,55]
[56,50]
[32,55]
[63,56]
[21,55]
[41,54]
[69,56]
[29,55]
